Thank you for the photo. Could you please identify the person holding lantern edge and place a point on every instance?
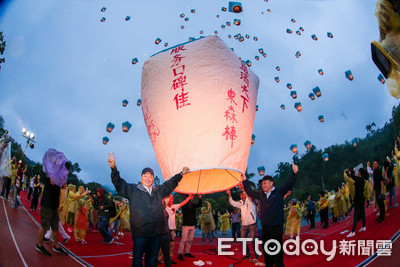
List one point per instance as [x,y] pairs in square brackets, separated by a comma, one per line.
[147,214]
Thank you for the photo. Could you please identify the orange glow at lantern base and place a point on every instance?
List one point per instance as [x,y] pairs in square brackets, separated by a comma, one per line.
[209,181]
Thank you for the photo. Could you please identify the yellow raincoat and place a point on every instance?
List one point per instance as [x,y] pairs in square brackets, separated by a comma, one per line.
[293,221]
[225,224]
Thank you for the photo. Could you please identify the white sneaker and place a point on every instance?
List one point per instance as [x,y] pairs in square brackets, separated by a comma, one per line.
[351,234]
[362,229]
[374,210]
[378,213]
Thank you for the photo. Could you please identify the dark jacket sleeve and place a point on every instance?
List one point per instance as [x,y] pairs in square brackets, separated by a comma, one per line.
[289,183]
[250,192]
[108,203]
[120,184]
[168,186]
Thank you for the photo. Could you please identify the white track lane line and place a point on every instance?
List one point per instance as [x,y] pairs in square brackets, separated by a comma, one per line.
[12,235]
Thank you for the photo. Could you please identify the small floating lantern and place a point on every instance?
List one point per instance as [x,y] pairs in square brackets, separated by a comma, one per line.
[298,106]
[110,127]
[105,140]
[317,91]
[126,126]
[261,170]
[293,147]
[349,75]
[307,144]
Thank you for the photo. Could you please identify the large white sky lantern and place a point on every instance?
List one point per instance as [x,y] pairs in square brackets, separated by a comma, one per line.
[199,101]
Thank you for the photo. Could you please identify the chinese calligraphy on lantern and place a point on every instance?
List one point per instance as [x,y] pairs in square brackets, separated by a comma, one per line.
[152,127]
[230,116]
[244,76]
[179,83]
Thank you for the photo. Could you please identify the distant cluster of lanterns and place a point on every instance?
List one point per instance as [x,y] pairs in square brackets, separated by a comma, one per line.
[126,125]
[103,9]
[236,7]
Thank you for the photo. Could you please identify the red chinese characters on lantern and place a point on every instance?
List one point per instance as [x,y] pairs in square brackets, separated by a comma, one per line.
[231,96]
[181,99]
[152,127]
[230,116]
[230,134]
[180,82]
[244,76]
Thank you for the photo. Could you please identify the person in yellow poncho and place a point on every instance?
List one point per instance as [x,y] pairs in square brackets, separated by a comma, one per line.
[286,210]
[179,221]
[346,196]
[125,226]
[81,220]
[207,223]
[294,219]
[62,209]
[323,209]
[225,224]
[8,181]
[396,170]
[351,189]
[339,205]
[94,215]
[72,200]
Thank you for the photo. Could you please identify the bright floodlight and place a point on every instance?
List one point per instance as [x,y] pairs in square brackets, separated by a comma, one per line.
[32,135]
[28,133]
[23,130]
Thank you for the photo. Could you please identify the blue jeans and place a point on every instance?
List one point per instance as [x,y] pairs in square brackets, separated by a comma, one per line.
[16,200]
[392,197]
[235,230]
[103,227]
[114,227]
[209,235]
[147,245]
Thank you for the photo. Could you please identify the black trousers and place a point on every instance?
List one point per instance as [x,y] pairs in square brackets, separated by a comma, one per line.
[381,204]
[311,217]
[324,217]
[165,240]
[30,191]
[273,233]
[6,186]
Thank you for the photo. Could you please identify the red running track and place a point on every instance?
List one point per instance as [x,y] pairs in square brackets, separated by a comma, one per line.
[22,226]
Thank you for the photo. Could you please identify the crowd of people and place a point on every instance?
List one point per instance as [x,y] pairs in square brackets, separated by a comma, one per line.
[155,220]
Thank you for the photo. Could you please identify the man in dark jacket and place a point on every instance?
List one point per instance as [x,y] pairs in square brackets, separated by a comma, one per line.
[271,208]
[147,218]
[103,204]
[377,176]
